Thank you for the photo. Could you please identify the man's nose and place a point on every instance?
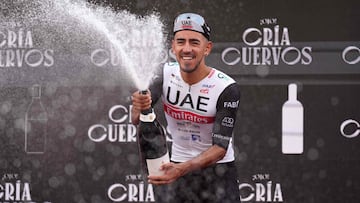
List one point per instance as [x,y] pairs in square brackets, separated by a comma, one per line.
[187,48]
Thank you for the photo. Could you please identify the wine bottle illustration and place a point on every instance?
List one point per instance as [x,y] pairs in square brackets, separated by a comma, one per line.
[292,123]
[152,142]
[35,124]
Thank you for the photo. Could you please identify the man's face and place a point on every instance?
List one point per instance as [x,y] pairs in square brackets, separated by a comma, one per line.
[190,49]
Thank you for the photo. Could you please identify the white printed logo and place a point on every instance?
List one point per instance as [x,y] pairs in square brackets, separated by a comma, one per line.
[228,122]
[347,123]
[120,131]
[131,192]
[263,189]
[267,46]
[234,104]
[347,52]
[292,123]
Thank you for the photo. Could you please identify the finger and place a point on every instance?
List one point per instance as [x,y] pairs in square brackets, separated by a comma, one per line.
[155,177]
[141,102]
[166,166]
[160,181]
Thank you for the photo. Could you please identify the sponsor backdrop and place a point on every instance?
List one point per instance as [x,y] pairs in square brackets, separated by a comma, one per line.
[66,76]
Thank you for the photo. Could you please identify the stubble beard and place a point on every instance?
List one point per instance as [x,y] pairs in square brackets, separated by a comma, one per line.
[187,68]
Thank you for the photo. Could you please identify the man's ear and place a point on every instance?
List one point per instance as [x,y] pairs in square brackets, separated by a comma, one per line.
[208,48]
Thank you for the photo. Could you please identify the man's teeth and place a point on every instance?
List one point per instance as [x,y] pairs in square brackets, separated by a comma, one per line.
[187,57]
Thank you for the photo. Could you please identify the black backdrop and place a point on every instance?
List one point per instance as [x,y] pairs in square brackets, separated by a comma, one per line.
[79,166]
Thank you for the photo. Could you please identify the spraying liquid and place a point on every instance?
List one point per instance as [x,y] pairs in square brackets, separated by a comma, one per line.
[138,42]
[82,36]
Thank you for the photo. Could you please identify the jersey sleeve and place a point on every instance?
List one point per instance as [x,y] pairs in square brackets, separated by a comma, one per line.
[227,106]
[156,87]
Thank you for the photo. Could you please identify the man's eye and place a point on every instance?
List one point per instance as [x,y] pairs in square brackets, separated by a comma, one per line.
[195,42]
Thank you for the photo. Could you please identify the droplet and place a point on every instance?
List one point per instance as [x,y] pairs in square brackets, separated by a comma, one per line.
[70,169]
[313,154]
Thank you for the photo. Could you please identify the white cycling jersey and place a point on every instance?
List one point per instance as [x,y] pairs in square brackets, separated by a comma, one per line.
[201,114]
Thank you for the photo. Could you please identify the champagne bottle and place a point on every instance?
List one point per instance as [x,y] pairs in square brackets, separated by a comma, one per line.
[152,142]
[35,124]
[292,123]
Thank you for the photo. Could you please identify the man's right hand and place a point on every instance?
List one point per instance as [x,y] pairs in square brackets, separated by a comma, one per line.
[140,102]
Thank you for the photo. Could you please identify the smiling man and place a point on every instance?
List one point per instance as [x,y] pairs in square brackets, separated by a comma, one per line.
[200,105]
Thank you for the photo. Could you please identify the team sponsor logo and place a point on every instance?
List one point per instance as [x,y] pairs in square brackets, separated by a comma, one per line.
[195,137]
[204,91]
[208,86]
[187,115]
[219,136]
[176,77]
[198,103]
[232,104]
[120,130]
[262,189]
[228,122]
[350,128]
[180,123]
[351,55]
[223,76]
[186,24]
[268,45]
[176,83]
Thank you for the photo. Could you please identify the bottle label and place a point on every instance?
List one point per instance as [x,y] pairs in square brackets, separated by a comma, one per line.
[148,117]
[154,164]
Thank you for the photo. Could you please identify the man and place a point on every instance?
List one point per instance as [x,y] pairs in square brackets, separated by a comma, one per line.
[200,105]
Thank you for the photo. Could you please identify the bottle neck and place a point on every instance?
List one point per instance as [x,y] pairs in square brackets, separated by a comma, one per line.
[147,111]
[147,115]
[36,92]
[292,91]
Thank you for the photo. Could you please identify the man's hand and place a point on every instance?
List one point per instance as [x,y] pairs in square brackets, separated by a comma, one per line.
[172,172]
[140,102]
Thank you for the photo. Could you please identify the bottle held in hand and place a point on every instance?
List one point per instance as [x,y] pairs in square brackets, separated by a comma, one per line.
[152,142]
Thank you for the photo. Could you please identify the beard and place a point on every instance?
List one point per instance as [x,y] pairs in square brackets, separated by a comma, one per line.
[187,67]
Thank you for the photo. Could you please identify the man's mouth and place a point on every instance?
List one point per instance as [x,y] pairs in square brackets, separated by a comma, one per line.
[187,57]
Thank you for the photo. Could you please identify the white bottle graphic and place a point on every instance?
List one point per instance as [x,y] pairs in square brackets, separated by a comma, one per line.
[292,123]
[35,124]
